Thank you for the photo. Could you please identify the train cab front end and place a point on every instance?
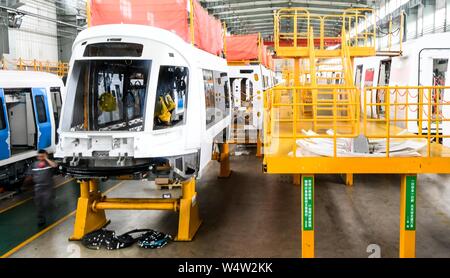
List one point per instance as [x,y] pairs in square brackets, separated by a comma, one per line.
[126,99]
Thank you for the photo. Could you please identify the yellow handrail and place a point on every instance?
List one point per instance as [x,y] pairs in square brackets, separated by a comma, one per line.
[57,67]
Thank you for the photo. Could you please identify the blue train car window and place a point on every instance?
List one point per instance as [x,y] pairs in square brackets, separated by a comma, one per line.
[2,116]
[40,108]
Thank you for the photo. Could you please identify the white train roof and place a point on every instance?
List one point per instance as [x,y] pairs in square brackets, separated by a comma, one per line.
[143,32]
[22,79]
[130,31]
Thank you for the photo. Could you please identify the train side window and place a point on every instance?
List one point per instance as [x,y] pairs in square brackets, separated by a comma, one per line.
[2,116]
[40,109]
[171,97]
[217,96]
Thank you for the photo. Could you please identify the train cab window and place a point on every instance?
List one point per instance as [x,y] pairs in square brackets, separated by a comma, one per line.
[171,97]
[217,96]
[112,94]
[113,49]
[40,109]
[2,116]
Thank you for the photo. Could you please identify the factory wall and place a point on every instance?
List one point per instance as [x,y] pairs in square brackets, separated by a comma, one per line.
[36,38]
[422,17]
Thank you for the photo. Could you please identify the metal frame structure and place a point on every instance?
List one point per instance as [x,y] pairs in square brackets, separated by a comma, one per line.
[320,96]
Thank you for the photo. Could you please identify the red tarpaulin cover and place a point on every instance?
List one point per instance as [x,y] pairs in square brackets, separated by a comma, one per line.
[242,47]
[171,15]
[208,31]
[264,56]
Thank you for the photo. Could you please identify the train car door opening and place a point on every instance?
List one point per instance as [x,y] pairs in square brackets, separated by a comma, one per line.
[55,93]
[22,126]
[433,71]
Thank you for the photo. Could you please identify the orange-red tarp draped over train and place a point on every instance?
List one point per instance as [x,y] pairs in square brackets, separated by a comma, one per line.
[246,48]
[171,15]
[242,47]
[264,56]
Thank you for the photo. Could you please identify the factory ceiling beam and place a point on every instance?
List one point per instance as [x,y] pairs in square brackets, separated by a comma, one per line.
[305,3]
[244,16]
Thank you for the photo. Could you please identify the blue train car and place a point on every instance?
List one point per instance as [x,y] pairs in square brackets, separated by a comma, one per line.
[30,107]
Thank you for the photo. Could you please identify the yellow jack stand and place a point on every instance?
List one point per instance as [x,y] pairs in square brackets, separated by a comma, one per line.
[296,179]
[86,220]
[349,179]
[189,218]
[90,215]
[224,159]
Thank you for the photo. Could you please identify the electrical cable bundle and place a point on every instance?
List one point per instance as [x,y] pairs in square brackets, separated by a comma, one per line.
[108,239]
[153,239]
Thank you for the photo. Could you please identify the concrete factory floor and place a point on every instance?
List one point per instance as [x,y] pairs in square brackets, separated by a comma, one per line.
[252,214]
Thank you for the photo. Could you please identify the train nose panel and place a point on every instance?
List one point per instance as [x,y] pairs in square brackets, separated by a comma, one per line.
[98,146]
[92,155]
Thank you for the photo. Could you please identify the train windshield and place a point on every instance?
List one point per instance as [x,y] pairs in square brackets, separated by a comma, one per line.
[111,95]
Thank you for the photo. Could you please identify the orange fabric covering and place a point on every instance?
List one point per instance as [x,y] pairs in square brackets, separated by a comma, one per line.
[242,47]
[264,56]
[171,15]
[269,61]
[207,31]
[168,14]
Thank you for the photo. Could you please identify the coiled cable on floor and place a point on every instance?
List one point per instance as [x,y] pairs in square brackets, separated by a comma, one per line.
[153,239]
[108,239]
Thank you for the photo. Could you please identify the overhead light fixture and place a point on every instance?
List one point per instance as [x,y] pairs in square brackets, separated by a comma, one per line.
[15,20]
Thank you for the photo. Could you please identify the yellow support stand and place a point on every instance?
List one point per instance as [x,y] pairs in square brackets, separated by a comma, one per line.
[90,215]
[307,216]
[189,219]
[349,179]
[296,178]
[224,160]
[258,144]
[87,220]
[408,190]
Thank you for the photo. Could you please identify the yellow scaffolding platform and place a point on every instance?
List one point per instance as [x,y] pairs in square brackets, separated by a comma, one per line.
[312,121]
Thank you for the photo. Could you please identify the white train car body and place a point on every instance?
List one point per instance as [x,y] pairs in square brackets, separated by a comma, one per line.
[424,63]
[138,97]
[248,83]
[30,107]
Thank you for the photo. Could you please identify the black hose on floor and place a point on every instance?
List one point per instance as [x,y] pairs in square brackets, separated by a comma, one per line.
[148,239]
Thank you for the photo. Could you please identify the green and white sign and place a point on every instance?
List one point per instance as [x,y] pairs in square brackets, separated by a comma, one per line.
[410,205]
[308,203]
